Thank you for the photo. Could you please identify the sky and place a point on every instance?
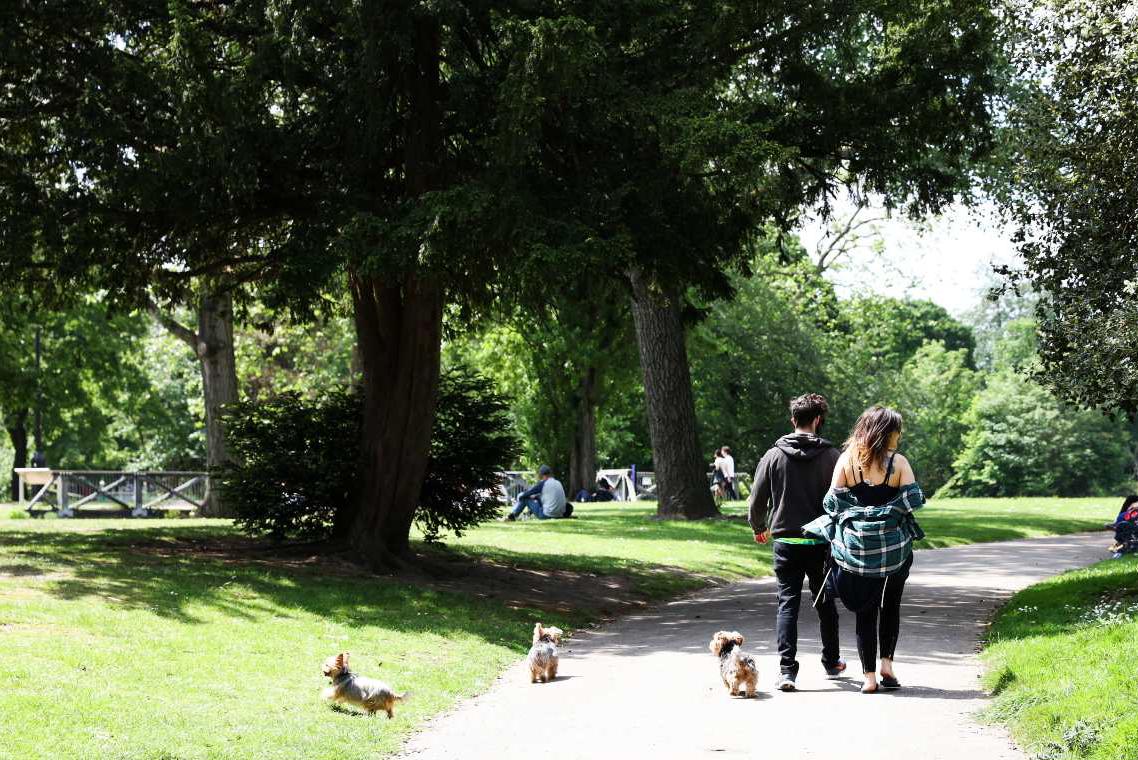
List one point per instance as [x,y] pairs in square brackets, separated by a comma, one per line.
[947,259]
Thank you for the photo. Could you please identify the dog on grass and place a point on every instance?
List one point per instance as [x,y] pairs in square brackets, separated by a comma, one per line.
[348,688]
[542,659]
[738,670]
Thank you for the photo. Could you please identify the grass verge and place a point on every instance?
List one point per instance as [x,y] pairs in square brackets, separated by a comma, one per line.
[1061,661]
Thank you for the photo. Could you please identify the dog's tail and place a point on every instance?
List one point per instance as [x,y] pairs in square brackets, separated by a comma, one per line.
[399,697]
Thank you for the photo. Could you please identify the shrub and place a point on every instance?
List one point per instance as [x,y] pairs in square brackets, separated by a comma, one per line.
[473,442]
[296,460]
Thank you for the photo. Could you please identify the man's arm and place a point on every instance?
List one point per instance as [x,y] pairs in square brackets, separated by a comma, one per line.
[759,501]
[535,491]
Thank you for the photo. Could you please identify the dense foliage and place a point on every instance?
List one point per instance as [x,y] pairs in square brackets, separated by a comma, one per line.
[1066,180]
[297,460]
[1022,440]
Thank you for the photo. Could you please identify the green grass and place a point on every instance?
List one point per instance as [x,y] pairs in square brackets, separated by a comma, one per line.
[109,651]
[118,641]
[667,557]
[1063,663]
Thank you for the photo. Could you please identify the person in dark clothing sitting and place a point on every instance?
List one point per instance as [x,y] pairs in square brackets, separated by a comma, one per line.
[1125,528]
[790,482]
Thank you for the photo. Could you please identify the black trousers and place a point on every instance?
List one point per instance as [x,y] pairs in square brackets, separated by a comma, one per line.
[794,563]
[879,619]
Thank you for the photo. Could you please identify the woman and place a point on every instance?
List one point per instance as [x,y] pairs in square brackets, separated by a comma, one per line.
[718,478]
[869,523]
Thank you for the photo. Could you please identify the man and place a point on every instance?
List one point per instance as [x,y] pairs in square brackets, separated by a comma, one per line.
[544,501]
[790,482]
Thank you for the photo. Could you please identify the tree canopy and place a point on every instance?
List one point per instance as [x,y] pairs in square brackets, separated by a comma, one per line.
[1065,178]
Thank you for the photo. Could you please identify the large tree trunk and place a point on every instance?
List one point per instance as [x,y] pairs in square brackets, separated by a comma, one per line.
[400,335]
[682,485]
[583,455]
[399,331]
[17,427]
[219,384]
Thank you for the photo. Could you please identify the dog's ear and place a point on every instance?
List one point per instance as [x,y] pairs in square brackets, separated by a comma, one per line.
[716,643]
[342,659]
[553,633]
[537,631]
[738,638]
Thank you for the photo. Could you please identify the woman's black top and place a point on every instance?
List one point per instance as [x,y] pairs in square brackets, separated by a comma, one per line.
[872,495]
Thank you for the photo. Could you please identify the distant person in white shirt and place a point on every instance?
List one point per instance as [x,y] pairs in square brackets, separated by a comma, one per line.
[545,501]
[725,469]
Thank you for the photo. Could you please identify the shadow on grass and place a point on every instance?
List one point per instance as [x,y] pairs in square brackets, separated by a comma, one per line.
[157,570]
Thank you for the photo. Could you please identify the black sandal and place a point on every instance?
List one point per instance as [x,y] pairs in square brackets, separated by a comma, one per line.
[889,682]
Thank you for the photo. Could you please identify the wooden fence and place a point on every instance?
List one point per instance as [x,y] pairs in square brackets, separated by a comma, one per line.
[78,493]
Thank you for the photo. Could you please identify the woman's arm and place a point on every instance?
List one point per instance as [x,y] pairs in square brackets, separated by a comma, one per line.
[904,472]
[839,479]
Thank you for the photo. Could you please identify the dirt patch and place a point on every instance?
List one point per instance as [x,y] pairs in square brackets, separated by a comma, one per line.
[513,585]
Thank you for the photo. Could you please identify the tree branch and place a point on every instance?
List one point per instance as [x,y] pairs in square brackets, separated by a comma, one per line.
[176,328]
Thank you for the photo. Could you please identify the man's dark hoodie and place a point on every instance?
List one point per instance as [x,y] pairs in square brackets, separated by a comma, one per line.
[790,482]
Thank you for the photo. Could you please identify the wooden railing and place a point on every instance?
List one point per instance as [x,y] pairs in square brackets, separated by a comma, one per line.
[73,493]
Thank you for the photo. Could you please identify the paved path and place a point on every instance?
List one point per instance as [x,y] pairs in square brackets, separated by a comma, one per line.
[647,687]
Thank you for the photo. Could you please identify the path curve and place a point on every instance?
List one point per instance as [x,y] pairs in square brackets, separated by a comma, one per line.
[646,686]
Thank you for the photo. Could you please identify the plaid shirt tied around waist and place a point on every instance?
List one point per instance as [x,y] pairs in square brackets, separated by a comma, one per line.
[873,541]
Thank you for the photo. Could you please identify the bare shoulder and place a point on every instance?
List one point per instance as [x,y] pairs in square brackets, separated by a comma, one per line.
[904,469]
[839,477]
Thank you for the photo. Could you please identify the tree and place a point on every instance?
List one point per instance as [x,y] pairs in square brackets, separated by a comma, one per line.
[749,357]
[1023,441]
[307,148]
[893,330]
[211,342]
[1065,176]
[934,393]
[76,390]
[694,126]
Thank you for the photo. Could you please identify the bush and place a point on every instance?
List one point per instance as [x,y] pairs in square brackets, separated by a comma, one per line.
[473,442]
[296,460]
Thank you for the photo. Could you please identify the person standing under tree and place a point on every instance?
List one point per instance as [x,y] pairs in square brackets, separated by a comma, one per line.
[790,483]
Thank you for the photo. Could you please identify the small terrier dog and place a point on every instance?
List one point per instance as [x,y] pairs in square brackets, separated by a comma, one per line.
[347,687]
[738,670]
[542,659]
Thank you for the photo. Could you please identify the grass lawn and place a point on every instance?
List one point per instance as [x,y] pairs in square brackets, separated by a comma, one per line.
[618,539]
[149,640]
[1063,662]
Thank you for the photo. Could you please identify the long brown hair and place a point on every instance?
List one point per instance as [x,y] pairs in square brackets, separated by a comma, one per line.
[869,441]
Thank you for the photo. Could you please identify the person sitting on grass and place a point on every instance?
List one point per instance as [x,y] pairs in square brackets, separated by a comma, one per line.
[1126,528]
[546,500]
[604,491]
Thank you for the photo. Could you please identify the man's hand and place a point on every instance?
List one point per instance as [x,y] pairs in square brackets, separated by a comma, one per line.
[761,538]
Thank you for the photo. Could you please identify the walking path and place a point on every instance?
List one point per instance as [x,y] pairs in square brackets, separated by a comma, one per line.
[647,686]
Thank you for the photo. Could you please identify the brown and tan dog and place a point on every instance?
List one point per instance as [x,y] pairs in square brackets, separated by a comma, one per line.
[737,669]
[348,688]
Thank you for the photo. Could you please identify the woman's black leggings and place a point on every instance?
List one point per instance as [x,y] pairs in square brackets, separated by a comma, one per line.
[880,620]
